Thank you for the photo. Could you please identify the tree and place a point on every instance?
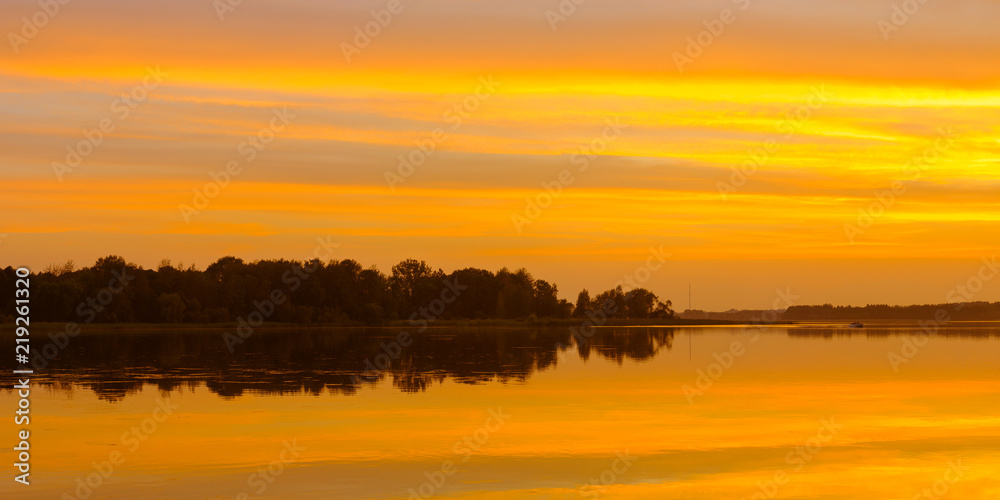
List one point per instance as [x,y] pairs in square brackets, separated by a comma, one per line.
[479,298]
[612,302]
[415,283]
[583,304]
[664,310]
[564,310]
[546,303]
[340,292]
[60,269]
[228,277]
[108,271]
[224,268]
[171,307]
[639,303]
[517,294]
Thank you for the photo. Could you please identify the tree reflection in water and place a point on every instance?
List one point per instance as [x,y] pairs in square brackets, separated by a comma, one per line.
[115,364]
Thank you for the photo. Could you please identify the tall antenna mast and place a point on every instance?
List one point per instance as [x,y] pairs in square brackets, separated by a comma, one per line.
[689,297]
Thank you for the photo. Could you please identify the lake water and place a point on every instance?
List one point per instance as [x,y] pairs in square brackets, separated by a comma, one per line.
[802,412]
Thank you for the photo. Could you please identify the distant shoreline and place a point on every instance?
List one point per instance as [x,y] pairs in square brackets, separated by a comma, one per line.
[502,323]
[453,323]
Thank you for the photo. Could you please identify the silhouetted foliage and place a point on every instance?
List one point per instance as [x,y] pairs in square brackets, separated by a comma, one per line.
[583,303]
[938,313]
[340,292]
[969,311]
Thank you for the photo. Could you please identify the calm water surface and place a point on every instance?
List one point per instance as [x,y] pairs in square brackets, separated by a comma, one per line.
[803,412]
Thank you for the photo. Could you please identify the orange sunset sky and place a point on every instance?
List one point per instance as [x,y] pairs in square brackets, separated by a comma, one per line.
[869,99]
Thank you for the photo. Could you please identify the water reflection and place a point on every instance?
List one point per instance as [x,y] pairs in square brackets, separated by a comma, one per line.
[884,330]
[624,389]
[115,364]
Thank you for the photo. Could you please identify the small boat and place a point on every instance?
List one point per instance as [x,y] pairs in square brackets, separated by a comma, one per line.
[856,324]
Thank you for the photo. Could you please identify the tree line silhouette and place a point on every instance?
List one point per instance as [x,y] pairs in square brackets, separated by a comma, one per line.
[969,311]
[337,292]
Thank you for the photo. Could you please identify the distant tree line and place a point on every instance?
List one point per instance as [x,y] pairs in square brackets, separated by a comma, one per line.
[749,315]
[341,292]
[970,311]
